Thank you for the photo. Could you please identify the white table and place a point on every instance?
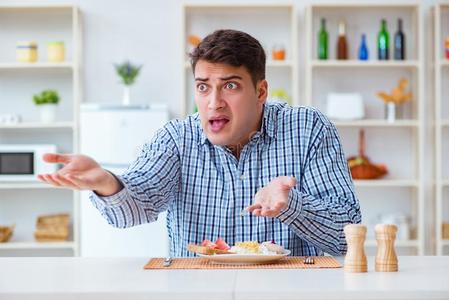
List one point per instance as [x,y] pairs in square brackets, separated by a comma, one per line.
[111,278]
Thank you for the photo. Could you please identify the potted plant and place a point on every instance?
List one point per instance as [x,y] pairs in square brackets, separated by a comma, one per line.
[47,102]
[128,73]
[397,96]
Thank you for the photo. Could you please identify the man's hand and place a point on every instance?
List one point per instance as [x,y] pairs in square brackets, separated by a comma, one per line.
[80,172]
[271,199]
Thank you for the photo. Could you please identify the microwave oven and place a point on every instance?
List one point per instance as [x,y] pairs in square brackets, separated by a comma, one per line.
[24,162]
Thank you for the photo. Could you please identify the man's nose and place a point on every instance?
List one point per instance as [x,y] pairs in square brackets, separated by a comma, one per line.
[215,100]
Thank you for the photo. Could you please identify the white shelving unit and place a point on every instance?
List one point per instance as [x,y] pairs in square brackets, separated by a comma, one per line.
[401,191]
[441,31]
[270,23]
[22,202]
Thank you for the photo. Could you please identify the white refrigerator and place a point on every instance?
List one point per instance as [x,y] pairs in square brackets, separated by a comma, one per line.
[113,136]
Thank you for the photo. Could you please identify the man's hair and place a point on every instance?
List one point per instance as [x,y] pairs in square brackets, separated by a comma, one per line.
[234,48]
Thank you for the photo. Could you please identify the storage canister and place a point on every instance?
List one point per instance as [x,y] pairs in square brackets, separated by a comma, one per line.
[55,51]
[26,52]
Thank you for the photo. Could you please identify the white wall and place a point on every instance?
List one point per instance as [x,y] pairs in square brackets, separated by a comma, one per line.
[148,32]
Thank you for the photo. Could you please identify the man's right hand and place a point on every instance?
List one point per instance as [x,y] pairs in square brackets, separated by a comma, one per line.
[80,172]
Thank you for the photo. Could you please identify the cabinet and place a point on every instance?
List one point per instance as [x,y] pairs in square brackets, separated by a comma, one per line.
[399,145]
[272,24]
[441,31]
[22,201]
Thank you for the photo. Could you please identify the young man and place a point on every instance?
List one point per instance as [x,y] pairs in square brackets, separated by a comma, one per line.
[284,165]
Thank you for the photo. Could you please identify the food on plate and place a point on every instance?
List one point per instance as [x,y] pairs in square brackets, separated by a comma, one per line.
[273,247]
[208,247]
[252,247]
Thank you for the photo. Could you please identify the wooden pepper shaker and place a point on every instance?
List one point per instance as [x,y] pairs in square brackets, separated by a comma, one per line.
[386,259]
[355,259]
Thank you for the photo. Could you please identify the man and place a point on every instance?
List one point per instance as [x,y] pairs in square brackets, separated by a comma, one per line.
[283,165]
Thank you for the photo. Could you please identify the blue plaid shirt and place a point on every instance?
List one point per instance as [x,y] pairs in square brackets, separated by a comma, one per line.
[204,187]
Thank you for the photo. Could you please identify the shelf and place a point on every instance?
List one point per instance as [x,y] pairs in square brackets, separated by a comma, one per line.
[398,243]
[237,5]
[38,125]
[28,7]
[386,183]
[363,64]
[444,63]
[269,64]
[37,65]
[444,243]
[36,245]
[358,5]
[26,185]
[376,123]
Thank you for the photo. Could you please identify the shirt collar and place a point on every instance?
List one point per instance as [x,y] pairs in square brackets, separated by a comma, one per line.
[268,128]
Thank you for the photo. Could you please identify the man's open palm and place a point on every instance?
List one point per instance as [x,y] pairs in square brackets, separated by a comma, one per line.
[79,172]
[271,199]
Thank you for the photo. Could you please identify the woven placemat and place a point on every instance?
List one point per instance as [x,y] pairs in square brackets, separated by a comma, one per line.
[290,262]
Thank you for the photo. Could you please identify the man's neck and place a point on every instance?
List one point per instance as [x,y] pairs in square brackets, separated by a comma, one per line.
[236,149]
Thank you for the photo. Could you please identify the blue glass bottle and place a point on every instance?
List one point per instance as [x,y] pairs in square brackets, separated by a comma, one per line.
[363,49]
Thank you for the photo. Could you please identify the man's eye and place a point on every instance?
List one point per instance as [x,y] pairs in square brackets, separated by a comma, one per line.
[201,87]
[231,85]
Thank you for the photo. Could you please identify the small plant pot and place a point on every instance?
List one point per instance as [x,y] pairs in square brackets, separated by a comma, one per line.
[47,113]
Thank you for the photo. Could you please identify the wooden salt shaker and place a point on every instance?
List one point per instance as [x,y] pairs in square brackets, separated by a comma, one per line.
[355,259]
[386,259]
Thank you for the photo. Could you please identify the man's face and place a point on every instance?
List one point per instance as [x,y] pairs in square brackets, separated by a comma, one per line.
[229,105]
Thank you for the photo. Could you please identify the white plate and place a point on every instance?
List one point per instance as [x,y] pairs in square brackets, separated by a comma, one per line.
[245,258]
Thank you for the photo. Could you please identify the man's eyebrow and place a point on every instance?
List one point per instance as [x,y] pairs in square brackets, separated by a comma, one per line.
[231,77]
[221,78]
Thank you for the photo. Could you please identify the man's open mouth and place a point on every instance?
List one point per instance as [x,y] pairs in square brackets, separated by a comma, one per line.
[218,124]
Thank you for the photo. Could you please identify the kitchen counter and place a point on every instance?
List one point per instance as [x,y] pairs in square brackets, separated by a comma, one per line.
[425,277]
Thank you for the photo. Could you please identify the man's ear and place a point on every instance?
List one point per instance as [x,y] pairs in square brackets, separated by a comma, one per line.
[262,90]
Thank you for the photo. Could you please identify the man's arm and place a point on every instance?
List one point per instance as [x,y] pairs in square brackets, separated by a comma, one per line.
[325,201]
[147,186]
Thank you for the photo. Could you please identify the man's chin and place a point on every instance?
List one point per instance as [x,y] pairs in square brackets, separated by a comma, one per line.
[218,139]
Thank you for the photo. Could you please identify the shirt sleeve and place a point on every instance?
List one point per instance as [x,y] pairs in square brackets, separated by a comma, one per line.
[323,202]
[149,184]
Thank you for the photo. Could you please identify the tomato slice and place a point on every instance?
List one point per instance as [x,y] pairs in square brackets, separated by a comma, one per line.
[221,244]
[207,243]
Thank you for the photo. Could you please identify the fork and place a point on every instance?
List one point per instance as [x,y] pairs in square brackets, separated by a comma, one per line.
[309,260]
[167,261]
[244,212]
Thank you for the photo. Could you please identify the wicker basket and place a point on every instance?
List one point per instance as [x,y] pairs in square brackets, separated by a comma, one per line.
[6,233]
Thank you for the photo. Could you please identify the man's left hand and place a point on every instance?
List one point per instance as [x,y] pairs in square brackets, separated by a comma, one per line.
[271,199]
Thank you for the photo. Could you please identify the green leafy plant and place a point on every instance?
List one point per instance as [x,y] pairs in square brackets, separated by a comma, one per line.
[46,97]
[127,72]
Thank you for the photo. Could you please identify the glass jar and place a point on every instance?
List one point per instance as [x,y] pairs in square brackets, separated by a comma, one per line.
[26,52]
[278,52]
[55,51]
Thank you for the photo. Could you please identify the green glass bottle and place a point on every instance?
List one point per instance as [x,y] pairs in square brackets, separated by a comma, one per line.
[383,42]
[322,40]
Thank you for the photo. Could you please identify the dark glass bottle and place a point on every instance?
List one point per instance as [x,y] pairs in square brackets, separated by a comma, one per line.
[322,40]
[363,49]
[342,44]
[383,40]
[399,42]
